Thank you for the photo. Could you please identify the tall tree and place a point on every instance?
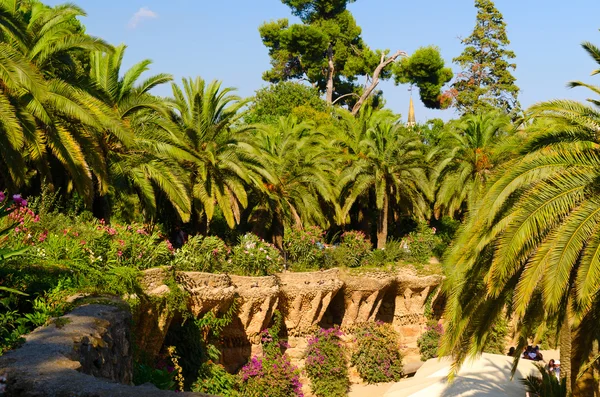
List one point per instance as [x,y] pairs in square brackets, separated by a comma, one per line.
[296,171]
[472,150]
[390,166]
[327,50]
[206,115]
[533,244]
[142,160]
[486,81]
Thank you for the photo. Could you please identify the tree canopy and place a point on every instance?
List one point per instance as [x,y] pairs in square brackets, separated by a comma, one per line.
[486,82]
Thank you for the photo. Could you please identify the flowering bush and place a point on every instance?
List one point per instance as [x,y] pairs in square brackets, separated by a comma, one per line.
[429,341]
[204,254]
[326,364]
[255,257]
[272,374]
[304,247]
[377,357]
[350,252]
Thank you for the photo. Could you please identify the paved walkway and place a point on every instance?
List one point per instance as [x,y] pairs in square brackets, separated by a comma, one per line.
[489,375]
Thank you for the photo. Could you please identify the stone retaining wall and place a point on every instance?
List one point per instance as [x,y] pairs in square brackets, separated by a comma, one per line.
[86,353]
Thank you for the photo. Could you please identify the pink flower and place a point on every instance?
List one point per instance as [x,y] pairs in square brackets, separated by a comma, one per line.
[2,196]
[119,253]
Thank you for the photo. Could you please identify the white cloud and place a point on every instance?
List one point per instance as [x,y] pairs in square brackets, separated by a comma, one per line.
[141,14]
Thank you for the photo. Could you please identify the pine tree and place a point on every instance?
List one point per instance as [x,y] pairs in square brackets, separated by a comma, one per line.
[486,81]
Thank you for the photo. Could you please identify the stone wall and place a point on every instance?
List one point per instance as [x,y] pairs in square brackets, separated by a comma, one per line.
[306,301]
[86,353]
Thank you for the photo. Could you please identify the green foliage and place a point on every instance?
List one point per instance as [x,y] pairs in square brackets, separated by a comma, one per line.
[486,82]
[255,257]
[305,248]
[203,254]
[472,148]
[212,378]
[164,378]
[425,69]
[326,364]
[377,356]
[272,374]
[300,50]
[421,244]
[533,239]
[351,250]
[496,339]
[429,341]
[547,385]
[285,98]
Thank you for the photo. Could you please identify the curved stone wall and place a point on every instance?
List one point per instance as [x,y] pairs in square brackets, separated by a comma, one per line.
[306,300]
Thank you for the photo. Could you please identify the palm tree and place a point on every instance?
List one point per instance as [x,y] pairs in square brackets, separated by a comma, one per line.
[293,177]
[473,150]
[206,117]
[141,157]
[46,119]
[533,240]
[389,164]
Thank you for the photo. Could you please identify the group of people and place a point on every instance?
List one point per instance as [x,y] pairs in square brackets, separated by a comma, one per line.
[534,354]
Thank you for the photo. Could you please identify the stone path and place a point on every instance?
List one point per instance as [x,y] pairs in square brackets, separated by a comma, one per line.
[489,375]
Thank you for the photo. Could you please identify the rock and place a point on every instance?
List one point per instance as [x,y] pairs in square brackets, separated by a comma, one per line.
[85,357]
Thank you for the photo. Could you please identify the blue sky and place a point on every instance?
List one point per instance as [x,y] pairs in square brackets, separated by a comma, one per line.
[220,40]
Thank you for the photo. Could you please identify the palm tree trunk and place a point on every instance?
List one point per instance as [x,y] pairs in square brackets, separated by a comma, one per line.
[565,347]
[382,224]
[278,230]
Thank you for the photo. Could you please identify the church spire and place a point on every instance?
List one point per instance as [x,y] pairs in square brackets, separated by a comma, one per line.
[411,114]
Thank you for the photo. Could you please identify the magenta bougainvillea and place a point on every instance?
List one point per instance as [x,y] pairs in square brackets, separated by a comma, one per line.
[326,364]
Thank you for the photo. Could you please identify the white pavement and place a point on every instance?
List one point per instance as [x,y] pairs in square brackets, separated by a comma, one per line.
[488,375]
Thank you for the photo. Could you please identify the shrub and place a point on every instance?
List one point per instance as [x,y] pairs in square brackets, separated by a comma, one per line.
[163,378]
[304,247]
[254,257]
[272,374]
[377,357]
[351,250]
[429,342]
[214,379]
[419,245]
[204,254]
[392,253]
[326,364]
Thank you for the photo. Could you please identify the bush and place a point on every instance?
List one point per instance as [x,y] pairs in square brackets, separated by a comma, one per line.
[429,341]
[377,357]
[272,374]
[420,244]
[304,247]
[351,250]
[326,364]
[254,257]
[392,253]
[202,254]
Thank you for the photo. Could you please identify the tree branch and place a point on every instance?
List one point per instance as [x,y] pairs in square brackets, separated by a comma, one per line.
[375,79]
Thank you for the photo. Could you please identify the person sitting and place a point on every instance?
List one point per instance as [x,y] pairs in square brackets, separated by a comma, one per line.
[526,353]
[538,354]
[557,369]
[511,351]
